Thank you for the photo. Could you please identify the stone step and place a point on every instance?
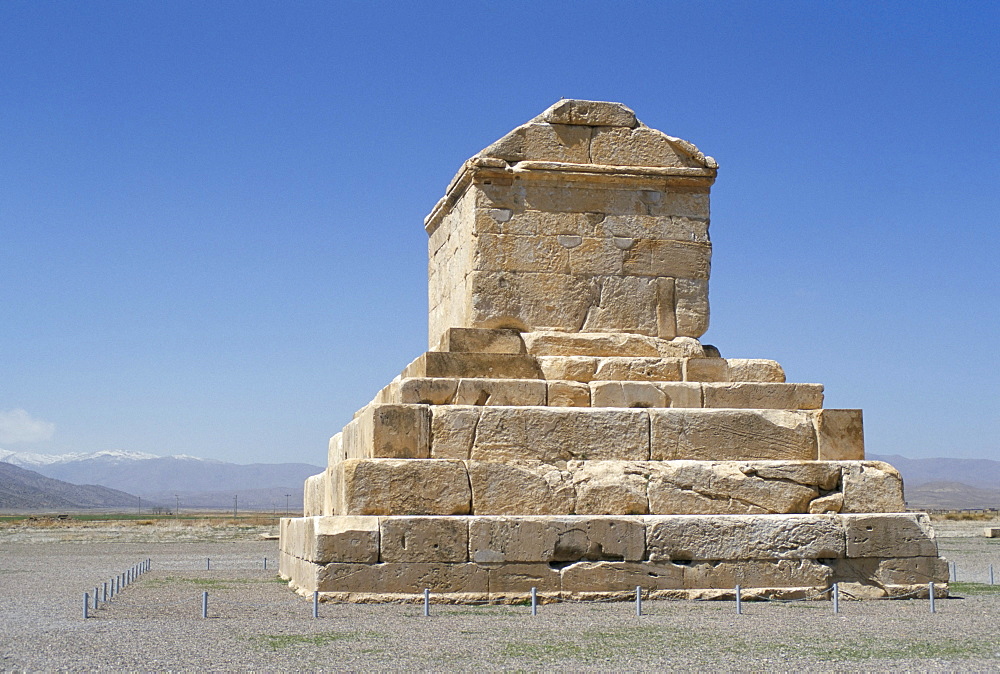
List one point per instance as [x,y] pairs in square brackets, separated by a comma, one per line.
[624,394]
[584,368]
[505,556]
[559,434]
[595,487]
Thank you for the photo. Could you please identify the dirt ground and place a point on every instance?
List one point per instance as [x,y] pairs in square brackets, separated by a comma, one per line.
[256,623]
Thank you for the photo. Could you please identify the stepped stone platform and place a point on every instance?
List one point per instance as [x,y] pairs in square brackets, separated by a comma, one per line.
[568,431]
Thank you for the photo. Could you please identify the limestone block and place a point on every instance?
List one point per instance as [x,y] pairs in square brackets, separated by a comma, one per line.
[405,487]
[592,198]
[424,539]
[500,392]
[681,394]
[872,487]
[477,365]
[889,535]
[335,450]
[740,537]
[514,253]
[755,369]
[479,340]
[755,573]
[304,574]
[499,540]
[331,496]
[557,142]
[568,368]
[913,571]
[627,394]
[691,297]
[666,313]
[758,395]
[641,146]
[597,577]
[691,204]
[452,431]
[590,113]
[701,487]
[518,579]
[530,301]
[498,194]
[706,369]
[610,487]
[530,222]
[313,495]
[595,256]
[662,227]
[389,431]
[831,503]
[552,343]
[824,475]
[841,435]
[295,535]
[665,257]
[557,434]
[403,578]
[722,434]
[638,369]
[529,488]
[568,394]
[427,390]
[625,303]
[342,539]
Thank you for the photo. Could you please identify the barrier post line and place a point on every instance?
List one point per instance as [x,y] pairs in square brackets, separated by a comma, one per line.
[204,604]
[930,594]
[427,602]
[315,604]
[638,600]
[739,600]
[836,598]
[534,601]
[86,605]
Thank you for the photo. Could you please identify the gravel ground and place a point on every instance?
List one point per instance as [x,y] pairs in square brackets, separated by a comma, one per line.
[256,623]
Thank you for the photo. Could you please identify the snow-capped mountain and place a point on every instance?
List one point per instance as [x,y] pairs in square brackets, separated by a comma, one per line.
[28,460]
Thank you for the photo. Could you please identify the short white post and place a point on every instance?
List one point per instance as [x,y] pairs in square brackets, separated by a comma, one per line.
[638,600]
[930,593]
[427,602]
[534,601]
[204,604]
[86,605]
[991,574]
[836,598]
[739,600]
[315,604]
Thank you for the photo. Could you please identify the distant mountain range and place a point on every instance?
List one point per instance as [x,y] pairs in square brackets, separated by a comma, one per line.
[22,489]
[119,479]
[168,480]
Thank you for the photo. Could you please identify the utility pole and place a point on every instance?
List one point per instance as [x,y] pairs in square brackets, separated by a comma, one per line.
[177,506]
[236,499]
[286,504]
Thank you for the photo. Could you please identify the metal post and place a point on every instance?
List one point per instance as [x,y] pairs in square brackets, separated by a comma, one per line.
[265,563]
[534,601]
[836,597]
[315,604]
[97,597]
[105,592]
[638,600]
[427,602]
[739,600]
[930,593]
[208,563]
[86,605]
[954,572]
[991,574]
[204,604]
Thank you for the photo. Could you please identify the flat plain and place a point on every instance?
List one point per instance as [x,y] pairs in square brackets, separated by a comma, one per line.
[256,623]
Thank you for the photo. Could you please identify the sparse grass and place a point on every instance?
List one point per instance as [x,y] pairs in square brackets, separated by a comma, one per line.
[275,642]
[966,515]
[973,588]
[207,583]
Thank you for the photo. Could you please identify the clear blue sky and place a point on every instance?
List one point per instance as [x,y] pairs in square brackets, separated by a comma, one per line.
[211,213]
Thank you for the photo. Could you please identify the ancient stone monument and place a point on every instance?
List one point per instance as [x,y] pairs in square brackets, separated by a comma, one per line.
[567,431]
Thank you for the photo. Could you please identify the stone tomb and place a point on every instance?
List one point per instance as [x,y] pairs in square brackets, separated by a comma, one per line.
[567,430]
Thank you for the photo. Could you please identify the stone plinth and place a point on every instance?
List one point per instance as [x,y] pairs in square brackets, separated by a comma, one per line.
[567,431]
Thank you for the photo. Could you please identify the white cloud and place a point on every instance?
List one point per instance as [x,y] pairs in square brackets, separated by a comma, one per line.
[19,426]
